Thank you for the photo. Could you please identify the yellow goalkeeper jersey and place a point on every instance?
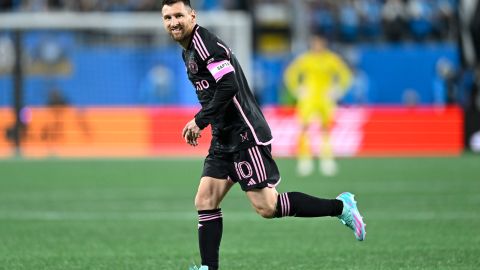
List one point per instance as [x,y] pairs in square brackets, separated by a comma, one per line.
[313,77]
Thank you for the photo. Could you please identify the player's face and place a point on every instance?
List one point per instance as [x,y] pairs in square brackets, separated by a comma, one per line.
[318,44]
[179,21]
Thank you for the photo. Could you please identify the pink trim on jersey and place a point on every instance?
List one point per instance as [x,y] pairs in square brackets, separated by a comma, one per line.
[198,49]
[261,162]
[276,184]
[220,68]
[201,44]
[225,48]
[254,161]
[237,104]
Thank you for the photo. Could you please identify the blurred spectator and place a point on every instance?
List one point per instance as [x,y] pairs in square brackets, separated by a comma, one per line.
[445,83]
[342,20]
[147,5]
[349,21]
[420,18]
[323,18]
[120,5]
[34,5]
[236,4]
[6,5]
[394,20]
[49,51]
[7,55]
[207,5]
[411,98]
[157,87]
[444,13]
[53,130]
[89,5]
[370,18]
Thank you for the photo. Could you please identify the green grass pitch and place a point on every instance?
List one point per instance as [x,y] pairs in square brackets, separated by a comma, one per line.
[421,213]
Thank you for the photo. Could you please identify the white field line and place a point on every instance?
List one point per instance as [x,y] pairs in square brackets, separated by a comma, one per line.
[236,216]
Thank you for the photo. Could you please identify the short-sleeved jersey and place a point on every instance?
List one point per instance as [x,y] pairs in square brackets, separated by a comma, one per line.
[228,104]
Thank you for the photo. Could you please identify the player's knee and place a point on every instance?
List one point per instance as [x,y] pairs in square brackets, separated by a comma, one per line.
[204,202]
[266,211]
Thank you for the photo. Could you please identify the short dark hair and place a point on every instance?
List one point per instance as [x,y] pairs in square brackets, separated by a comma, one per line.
[171,2]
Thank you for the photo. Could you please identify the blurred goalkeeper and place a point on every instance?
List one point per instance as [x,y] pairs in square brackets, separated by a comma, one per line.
[317,78]
[240,150]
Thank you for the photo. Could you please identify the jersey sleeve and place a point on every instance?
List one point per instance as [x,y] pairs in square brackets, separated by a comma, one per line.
[292,75]
[344,75]
[218,62]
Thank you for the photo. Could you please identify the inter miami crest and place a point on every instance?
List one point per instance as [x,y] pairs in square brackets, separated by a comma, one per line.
[191,64]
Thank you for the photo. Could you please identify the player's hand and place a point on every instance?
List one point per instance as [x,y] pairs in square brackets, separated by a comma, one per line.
[191,132]
[335,93]
[301,92]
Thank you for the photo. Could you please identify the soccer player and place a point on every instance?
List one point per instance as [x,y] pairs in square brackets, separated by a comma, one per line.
[317,78]
[241,139]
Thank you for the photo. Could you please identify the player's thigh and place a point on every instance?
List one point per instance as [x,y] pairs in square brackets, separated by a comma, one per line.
[327,115]
[211,192]
[306,114]
[264,200]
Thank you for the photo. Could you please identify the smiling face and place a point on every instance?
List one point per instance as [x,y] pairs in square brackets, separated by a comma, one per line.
[179,21]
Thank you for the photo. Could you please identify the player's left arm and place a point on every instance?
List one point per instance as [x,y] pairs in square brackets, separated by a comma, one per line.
[227,87]
[343,75]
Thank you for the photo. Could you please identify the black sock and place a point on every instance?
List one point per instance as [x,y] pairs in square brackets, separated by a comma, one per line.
[303,205]
[210,228]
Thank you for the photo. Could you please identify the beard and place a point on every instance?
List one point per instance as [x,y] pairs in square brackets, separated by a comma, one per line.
[181,37]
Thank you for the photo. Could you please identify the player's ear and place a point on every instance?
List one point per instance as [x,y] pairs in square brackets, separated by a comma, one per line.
[193,13]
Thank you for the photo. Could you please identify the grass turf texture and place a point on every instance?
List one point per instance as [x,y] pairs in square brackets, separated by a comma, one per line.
[422,213]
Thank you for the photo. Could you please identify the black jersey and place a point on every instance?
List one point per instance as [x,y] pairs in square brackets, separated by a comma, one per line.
[228,105]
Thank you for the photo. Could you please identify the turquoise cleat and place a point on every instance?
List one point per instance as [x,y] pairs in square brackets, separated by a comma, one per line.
[351,216]
[196,267]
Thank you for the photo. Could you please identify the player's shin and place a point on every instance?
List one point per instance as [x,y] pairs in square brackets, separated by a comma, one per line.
[303,205]
[210,229]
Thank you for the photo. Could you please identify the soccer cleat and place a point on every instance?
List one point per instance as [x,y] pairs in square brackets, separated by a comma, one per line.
[196,267]
[305,167]
[328,167]
[351,216]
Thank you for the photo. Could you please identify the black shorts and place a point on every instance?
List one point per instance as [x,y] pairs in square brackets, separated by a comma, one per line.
[253,168]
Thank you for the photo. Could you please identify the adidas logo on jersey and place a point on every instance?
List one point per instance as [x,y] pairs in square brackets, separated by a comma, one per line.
[251,182]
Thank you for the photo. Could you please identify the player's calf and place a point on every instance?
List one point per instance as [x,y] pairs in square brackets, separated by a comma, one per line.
[266,211]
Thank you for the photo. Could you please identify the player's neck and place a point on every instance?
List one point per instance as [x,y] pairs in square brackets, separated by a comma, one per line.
[185,43]
[188,39]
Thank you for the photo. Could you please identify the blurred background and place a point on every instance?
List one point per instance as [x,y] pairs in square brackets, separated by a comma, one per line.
[101,77]
[94,173]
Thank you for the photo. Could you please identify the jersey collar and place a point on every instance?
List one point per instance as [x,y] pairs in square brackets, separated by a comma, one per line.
[195,28]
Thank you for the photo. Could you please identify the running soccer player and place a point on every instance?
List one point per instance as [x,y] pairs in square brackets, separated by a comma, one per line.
[317,78]
[241,139]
